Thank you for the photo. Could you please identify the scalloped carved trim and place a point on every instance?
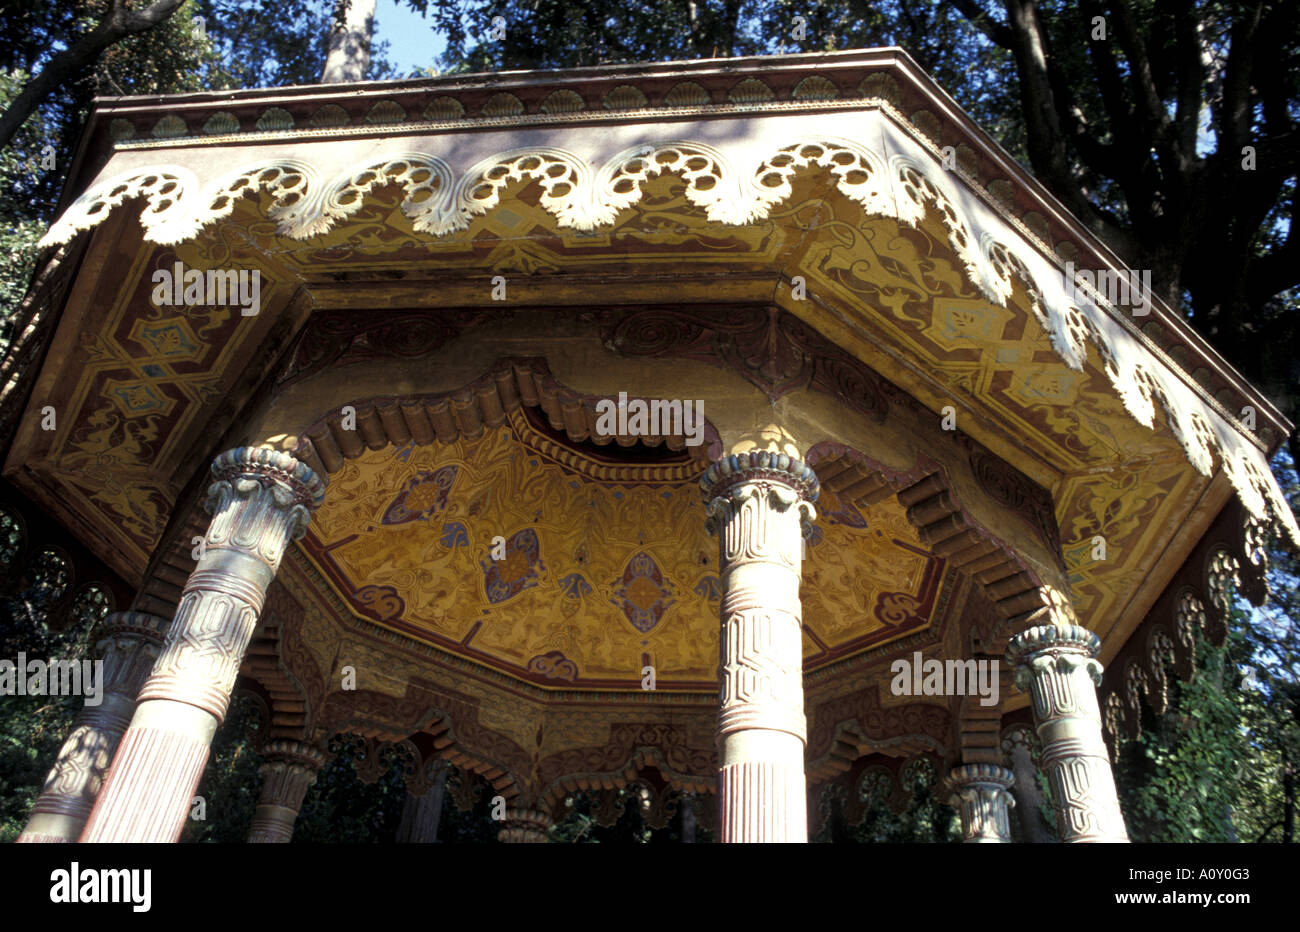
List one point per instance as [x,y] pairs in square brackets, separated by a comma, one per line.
[1195,601]
[904,185]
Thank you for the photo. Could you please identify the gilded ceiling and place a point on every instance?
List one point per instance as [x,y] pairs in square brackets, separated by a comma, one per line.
[491,550]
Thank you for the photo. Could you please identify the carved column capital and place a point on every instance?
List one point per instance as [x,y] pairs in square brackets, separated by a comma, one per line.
[1063,648]
[981,792]
[525,826]
[775,480]
[290,770]
[259,499]
[1058,667]
[129,644]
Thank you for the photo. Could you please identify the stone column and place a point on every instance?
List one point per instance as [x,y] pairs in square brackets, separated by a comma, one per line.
[421,815]
[687,809]
[980,791]
[1016,744]
[1058,666]
[760,504]
[127,643]
[525,826]
[259,501]
[290,768]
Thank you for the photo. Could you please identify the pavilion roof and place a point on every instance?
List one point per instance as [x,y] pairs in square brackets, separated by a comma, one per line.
[737,132]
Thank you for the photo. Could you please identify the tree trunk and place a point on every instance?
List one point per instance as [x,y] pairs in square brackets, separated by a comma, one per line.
[349,54]
[1288,800]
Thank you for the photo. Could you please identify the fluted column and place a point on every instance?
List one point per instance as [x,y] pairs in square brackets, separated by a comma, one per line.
[525,826]
[290,769]
[1058,666]
[759,504]
[128,644]
[980,791]
[259,500]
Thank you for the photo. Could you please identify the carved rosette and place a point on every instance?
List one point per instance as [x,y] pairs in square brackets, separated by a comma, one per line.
[127,643]
[1058,667]
[525,826]
[259,500]
[760,505]
[981,792]
[290,769]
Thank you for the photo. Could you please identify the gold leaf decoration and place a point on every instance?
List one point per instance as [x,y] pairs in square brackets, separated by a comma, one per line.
[927,123]
[686,94]
[750,90]
[169,127]
[444,108]
[386,111]
[881,87]
[330,115]
[815,87]
[503,105]
[563,101]
[625,97]
[221,124]
[274,119]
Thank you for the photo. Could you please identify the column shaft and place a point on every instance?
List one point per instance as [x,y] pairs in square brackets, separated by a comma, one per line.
[127,643]
[759,503]
[1058,667]
[259,501]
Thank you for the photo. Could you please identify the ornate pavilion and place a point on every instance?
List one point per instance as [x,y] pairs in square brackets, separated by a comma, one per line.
[377,494]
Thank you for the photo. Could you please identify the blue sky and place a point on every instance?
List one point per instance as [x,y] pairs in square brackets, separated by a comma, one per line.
[412,40]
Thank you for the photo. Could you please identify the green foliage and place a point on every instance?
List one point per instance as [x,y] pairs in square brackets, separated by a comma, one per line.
[1220,765]
[1176,778]
[579,826]
[33,728]
[924,820]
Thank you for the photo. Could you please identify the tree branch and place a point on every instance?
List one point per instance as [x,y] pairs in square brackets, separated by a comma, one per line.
[997,33]
[117,24]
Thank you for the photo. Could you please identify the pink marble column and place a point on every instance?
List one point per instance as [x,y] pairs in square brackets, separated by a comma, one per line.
[128,644]
[290,769]
[1058,667]
[259,501]
[759,503]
